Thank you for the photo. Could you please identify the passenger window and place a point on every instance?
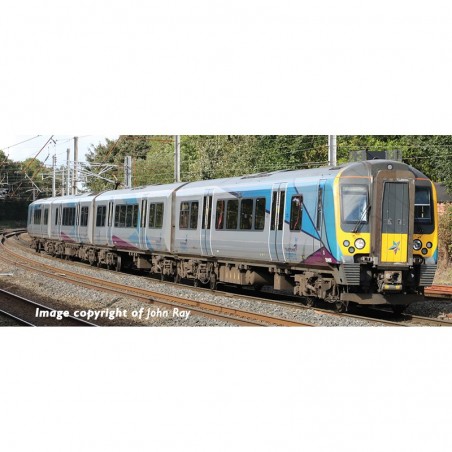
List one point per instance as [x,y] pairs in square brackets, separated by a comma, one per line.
[232,213]
[277,212]
[129,216]
[126,216]
[282,205]
[100,217]
[206,215]
[122,216]
[184,215]
[194,215]
[152,216]
[246,213]
[156,216]
[188,218]
[37,216]
[117,216]
[84,216]
[259,216]
[68,216]
[296,209]
[219,221]
[46,216]
[159,215]
[320,209]
[273,217]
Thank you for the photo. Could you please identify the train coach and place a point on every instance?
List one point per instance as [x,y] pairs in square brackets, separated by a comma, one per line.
[362,233]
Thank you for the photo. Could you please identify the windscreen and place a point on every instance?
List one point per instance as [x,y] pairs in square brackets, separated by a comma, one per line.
[354,204]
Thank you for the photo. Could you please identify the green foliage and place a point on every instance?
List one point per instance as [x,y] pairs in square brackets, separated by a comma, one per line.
[18,176]
[218,156]
[152,160]
[430,154]
[208,156]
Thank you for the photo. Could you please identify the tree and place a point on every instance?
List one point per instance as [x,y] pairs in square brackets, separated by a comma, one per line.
[150,161]
[217,156]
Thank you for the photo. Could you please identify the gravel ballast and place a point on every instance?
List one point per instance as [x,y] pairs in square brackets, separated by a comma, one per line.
[76,297]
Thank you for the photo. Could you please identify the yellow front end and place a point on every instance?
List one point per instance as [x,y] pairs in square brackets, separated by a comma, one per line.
[394,248]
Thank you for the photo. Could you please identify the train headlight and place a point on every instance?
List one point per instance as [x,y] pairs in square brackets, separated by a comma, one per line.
[360,244]
[346,243]
[424,251]
[351,250]
[417,245]
[429,244]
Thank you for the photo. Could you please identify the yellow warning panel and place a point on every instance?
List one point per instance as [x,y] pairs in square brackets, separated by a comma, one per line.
[394,247]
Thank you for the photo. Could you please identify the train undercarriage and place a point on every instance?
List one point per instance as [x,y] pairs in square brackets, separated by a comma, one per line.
[369,286]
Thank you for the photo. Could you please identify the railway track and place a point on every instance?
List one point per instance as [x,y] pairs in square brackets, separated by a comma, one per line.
[30,313]
[374,316]
[228,314]
[265,297]
[416,320]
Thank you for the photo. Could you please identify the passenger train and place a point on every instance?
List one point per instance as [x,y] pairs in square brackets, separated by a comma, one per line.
[358,233]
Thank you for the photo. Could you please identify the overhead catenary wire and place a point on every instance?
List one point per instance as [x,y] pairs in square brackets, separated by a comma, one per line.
[288,156]
[17,144]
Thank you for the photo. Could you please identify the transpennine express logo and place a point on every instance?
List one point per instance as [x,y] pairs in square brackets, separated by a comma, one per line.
[395,246]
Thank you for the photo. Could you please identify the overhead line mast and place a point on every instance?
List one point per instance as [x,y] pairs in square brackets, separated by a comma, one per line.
[332,150]
[176,158]
[75,178]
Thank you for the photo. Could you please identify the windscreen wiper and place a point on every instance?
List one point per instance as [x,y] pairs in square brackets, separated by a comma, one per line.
[361,220]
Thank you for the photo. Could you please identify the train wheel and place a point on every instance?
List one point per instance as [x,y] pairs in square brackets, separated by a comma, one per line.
[196,283]
[177,278]
[118,264]
[339,306]
[213,281]
[310,302]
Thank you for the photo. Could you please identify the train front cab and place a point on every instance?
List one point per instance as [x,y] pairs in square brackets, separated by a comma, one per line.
[387,233]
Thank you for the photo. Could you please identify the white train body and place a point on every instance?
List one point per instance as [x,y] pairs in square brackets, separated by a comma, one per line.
[309,231]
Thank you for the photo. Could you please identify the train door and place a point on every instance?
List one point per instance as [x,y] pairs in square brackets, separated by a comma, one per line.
[110,223]
[206,247]
[47,222]
[83,220]
[143,223]
[58,220]
[103,220]
[276,234]
[320,217]
[77,222]
[393,221]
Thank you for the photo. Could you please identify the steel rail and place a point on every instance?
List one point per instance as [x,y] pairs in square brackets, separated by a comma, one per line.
[203,308]
[16,306]
[292,303]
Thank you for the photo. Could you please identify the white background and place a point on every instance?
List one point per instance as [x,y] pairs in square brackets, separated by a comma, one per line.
[110,68]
